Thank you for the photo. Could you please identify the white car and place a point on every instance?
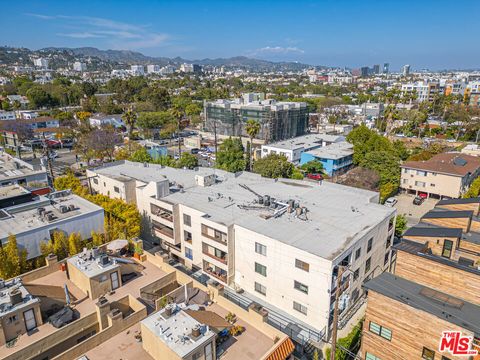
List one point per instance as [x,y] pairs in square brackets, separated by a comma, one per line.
[391,201]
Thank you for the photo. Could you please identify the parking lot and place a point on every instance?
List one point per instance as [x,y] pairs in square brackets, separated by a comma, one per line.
[413,212]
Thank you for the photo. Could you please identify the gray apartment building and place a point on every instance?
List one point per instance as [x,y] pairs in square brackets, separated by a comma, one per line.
[279,120]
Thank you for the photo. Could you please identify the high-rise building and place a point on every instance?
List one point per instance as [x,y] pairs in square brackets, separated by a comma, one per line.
[278,120]
[79,66]
[151,69]
[376,69]
[385,68]
[406,70]
[137,70]
[41,63]
[365,71]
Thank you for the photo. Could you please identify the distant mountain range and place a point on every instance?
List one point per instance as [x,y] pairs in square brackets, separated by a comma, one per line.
[127,57]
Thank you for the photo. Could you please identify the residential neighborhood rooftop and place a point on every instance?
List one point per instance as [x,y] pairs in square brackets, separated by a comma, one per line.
[334,216]
[306,141]
[452,163]
[443,306]
[333,151]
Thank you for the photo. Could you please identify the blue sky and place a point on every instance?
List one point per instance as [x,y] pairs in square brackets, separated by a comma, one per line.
[424,33]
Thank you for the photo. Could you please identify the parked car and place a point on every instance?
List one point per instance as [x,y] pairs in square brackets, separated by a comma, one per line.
[195,151]
[418,200]
[317,177]
[391,201]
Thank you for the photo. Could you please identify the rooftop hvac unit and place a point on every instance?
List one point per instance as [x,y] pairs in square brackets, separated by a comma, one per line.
[260,200]
[196,331]
[71,207]
[40,211]
[15,296]
[95,252]
[169,309]
[63,209]
[104,260]
[266,200]
[50,217]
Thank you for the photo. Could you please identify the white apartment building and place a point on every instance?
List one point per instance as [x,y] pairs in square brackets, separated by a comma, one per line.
[424,90]
[79,66]
[294,147]
[167,70]
[186,68]
[137,70]
[41,63]
[273,242]
[152,69]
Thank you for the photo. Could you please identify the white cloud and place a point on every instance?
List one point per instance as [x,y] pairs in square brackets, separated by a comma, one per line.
[278,50]
[118,34]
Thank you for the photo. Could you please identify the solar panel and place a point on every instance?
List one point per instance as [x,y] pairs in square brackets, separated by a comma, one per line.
[459,161]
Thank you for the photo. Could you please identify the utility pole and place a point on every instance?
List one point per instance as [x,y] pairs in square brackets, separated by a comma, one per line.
[46,152]
[335,312]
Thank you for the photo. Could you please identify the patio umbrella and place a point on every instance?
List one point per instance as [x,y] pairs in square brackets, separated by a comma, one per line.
[116,245]
[67,295]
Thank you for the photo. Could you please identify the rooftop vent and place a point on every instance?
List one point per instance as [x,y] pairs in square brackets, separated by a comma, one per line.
[459,161]
[196,331]
[15,296]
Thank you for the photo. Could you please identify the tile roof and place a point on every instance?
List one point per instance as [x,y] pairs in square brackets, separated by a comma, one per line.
[283,351]
[447,163]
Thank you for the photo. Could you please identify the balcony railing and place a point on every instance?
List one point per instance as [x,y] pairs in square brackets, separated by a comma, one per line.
[215,271]
[221,259]
[163,229]
[161,212]
[217,236]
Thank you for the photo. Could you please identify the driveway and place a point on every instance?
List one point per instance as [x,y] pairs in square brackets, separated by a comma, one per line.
[413,212]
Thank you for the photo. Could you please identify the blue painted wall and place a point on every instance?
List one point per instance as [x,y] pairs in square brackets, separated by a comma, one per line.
[328,164]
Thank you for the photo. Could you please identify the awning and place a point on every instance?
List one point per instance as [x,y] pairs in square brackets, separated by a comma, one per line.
[283,350]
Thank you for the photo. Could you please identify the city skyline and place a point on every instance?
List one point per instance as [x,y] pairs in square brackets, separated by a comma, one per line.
[318,33]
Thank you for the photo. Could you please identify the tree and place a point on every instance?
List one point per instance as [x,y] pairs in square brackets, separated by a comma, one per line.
[274,166]
[74,244]
[230,156]
[141,155]
[130,119]
[400,225]
[252,128]
[60,244]
[313,167]
[83,116]
[474,189]
[187,160]
[14,260]
[97,239]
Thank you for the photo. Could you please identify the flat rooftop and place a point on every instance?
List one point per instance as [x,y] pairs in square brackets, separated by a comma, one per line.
[336,215]
[6,304]
[92,266]
[443,306]
[306,141]
[175,330]
[26,217]
[333,151]
[9,191]
[11,167]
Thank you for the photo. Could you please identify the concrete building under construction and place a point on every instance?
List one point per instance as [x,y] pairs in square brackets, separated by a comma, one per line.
[278,120]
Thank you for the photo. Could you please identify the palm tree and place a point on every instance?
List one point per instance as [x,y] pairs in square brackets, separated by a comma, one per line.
[130,118]
[252,128]
[177,113]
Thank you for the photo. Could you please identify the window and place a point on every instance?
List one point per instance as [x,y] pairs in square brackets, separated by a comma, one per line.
[432,185]
[367,264]
[420,183]
[356,273]
[421,173]
[405,181]
[302,265]
[358,253]
[95,181]
[301,287]
[187,220]
[300,308]
[116,189]
[369,245]
[260,288]
[380,330]
[428,354]
[12,319]
[369,356]
[385,260]
[115,281]
[261,269]
[188,253]
[187,236]
[260,249]
[447,248]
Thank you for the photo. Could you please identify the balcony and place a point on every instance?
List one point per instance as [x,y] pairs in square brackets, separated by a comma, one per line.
[161,212]
[215,271]
[214,253]
[162,229]
[214,234]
